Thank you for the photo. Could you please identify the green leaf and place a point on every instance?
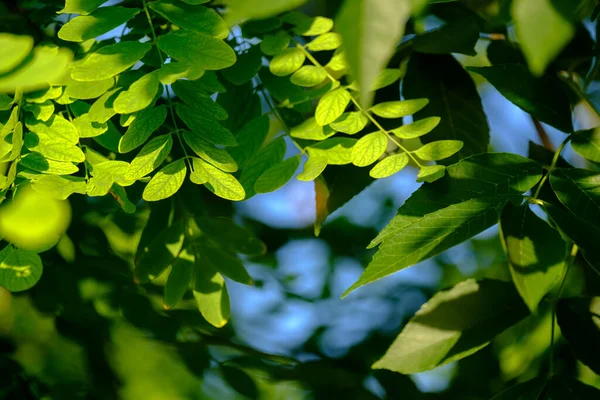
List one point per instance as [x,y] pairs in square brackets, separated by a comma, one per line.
[211,294]
[310,130]
[250,139]
[567,388]
[454,324]
[14,50]
[194,95]
[139,95]
[447,212]
[224,233]
[220,183]
[539,97]
[369,148]
[109,139]
[535,252]
[313,26]
[268,156]
[371,29]
[58,187]
[312,168]
[225,263]
[109,61]
[88,128]
[166,182]
[389,166]
[38,162]
[431,173]
[208,152]
[42,111]
[120,195]
[83,7]
[150,157]
[19,269]
[104,174]
[579,321]
[579,190]
[199,19]
[287,62]
[398,109]
[350,122]
[56,127]
[158,253]
[331,106]
[542,32]
[54,139]
[40,96]
[587,144]
[45,65]
[326,41]
[277,175]
[85,27]
[240,10]
[274,43]
[417,128]
[102,109]
[439,150]
[309,75]
[245,68]
[453,97]
[197,49]
[337,150]
[88,90]
[531,389]
[205,127]
[145,123]
[173,71]
[182,273]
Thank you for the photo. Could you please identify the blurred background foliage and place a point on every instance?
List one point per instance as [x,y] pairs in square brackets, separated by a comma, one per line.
[87,331]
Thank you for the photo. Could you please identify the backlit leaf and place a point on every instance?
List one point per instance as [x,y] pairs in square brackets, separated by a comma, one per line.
[587,144]
[331,106]
[287,62]
[220,183]
[275,43]
[350,122]
[38,162]
[310,130]
[211,294]
[166,182]
[208,152]
[145,123]
[439,150]
[205,127]
[309,75]
[150,157]
[417,128]
[14,50]
[109,61]
[277,175]
[198,49]
[312,168]
[369,148]
[88,128]
[337,150]
[139,95]
[327,41]
[389,165]
[88,90]
[398,109]
[431,173]
[102,20]
[83,7]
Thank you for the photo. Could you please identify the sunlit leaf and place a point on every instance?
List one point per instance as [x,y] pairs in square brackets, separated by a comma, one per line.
[587,144]
[331,106]
[310,130]
[277,175]
[195,48]
[150,157]
[220,183]
[309,75]
[14,50]
[312,168]
[88,90]
[145,123]
[417,128]
[139,95]
[287,62]
[102,20]
[166,182]
[398,109]
[369,148]
[337,150]
[207,128]
[326,41]
[199,19]
[239,10]
[83,7]
[109,61]
[88,128]
[439,150]
[211,294]
[208,152]
[350,122]
[389,165]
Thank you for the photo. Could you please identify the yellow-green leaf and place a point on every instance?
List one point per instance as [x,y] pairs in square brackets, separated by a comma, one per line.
[327,41]
[332,106]
[150,157]
[389,166]
[220,183]
[220,158]
[287,62]
[337,150]
[350,122]
[369,148]
[166,182]
[309,75]
[275,43]
[200,50]
[431,173]
[310,130]
[88,128]
[211,294]
[277,176]
[146,122]
[313,167]
[398,109]
[13,51]
[38,162]
[199,19]
[206,127]
[417,128]
[85,27]
[88,90]
[439,150]
[139,95]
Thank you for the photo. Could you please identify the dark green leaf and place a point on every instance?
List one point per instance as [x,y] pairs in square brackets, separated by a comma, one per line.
[205,127]
[199,19]
[182,273]
[19,269]
[159,253]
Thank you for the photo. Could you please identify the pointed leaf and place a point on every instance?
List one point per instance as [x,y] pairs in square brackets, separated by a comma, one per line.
[245,68]
[587,144]
[209,153]
[277,176]
[83,7]
[431,173]
[145,123]
[268,156]
[579,190]
[182,274]
[225,263]
[38,162]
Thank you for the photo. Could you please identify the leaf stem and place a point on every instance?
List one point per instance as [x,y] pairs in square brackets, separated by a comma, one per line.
[569,260]
[358,106]
[551,168]
[169,102]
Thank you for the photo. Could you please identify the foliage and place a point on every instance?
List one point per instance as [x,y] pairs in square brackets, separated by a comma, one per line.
[151,118]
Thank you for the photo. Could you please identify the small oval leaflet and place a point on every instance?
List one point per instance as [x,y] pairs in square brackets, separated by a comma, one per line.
[417,128]
[220,183]
[150,157]
[139,95]
[277,176]
[332,106]
[309,75]
[145,123]
[312,168]
[389,165]
[287,62]
[369,148]
[200,50]
[211,294]
[439,150]
[182,273]
[327,41]
[398,109]
[166,182]
[350,122]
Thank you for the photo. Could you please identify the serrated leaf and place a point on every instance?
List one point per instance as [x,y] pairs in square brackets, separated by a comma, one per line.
[145,123]
[104,19]
[14,50]
[88,128]
[159,252]
[579,321]
[225,263]
[536,96]
[417,128]
[452,97]
[371,29]
[220,183]
[542,32]
[312,168]
[274,43]
[42,111]
[88,90]
[268,156]
[245,68]
[250,139]
[197,49]
[180,277]
[208,152]
[150,157]
[277,175]
[139,95]
[398,109]
[205,127]
[194,95]
[369,148]
[211,294]
[331,106]
[439,150]
[109,61]
[310,130]
[326,41]
[587,144]
[389,166]
[199,19]
[309,75]
[166,182]
[83,7]
[287,62]
[472,313]
[535,252]
[350,122]
[337,150]
[445,213]
[19,269]
[38,162]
